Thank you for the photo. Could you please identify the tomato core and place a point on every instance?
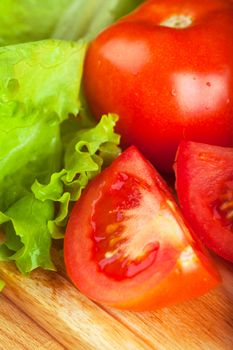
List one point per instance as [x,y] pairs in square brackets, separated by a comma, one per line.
[223,207]
[119,253]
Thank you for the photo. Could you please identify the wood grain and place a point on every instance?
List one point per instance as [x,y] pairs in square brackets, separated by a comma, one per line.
[77,323]
[18,331]
[204,323]
[71,318]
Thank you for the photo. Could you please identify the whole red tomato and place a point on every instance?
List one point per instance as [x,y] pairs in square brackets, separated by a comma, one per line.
[167,70]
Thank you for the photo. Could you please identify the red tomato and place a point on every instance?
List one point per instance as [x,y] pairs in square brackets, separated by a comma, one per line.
[204,181]
[167,70]
[127,245]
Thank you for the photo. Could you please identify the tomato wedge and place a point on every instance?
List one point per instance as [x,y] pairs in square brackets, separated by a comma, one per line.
[204,181]
[127,245]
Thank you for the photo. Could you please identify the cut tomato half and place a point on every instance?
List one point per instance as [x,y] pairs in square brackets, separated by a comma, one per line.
[204,181]
[127,244]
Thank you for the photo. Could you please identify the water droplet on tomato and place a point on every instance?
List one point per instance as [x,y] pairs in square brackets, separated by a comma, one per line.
[173,92]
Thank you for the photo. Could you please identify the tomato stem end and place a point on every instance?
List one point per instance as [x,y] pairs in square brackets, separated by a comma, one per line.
[177,21]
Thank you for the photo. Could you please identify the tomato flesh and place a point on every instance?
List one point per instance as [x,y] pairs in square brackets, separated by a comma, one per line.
[223,207]
[127,245]
[118,253]
[204,181]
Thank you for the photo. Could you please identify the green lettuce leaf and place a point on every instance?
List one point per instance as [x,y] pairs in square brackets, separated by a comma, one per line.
[49,149]
[39,87]
[28,238]
[29,20]
[84,156]
[2,285]
[86,18]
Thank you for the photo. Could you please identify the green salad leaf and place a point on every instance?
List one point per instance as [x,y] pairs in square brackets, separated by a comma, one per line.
[29,20]
[39,87]
[2,285]
[27,236]
[86,18]
[85,152]
[47,153]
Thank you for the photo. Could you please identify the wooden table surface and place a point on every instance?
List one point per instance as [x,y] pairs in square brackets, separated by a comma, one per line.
[45,311]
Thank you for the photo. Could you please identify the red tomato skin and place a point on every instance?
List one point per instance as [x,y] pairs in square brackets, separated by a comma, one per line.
[170,282]
[166,84]
[202,172]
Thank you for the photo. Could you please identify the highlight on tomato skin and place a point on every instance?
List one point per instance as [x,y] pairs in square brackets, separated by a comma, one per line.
[204,182]
[127,245]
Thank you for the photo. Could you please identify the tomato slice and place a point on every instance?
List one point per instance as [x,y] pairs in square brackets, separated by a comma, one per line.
[204,181]
[127,245]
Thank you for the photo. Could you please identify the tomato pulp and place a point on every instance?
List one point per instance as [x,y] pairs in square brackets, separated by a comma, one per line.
[167,70]
[126,244]
[204,181]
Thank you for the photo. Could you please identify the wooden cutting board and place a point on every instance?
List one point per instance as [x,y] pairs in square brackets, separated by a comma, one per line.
[45,311]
